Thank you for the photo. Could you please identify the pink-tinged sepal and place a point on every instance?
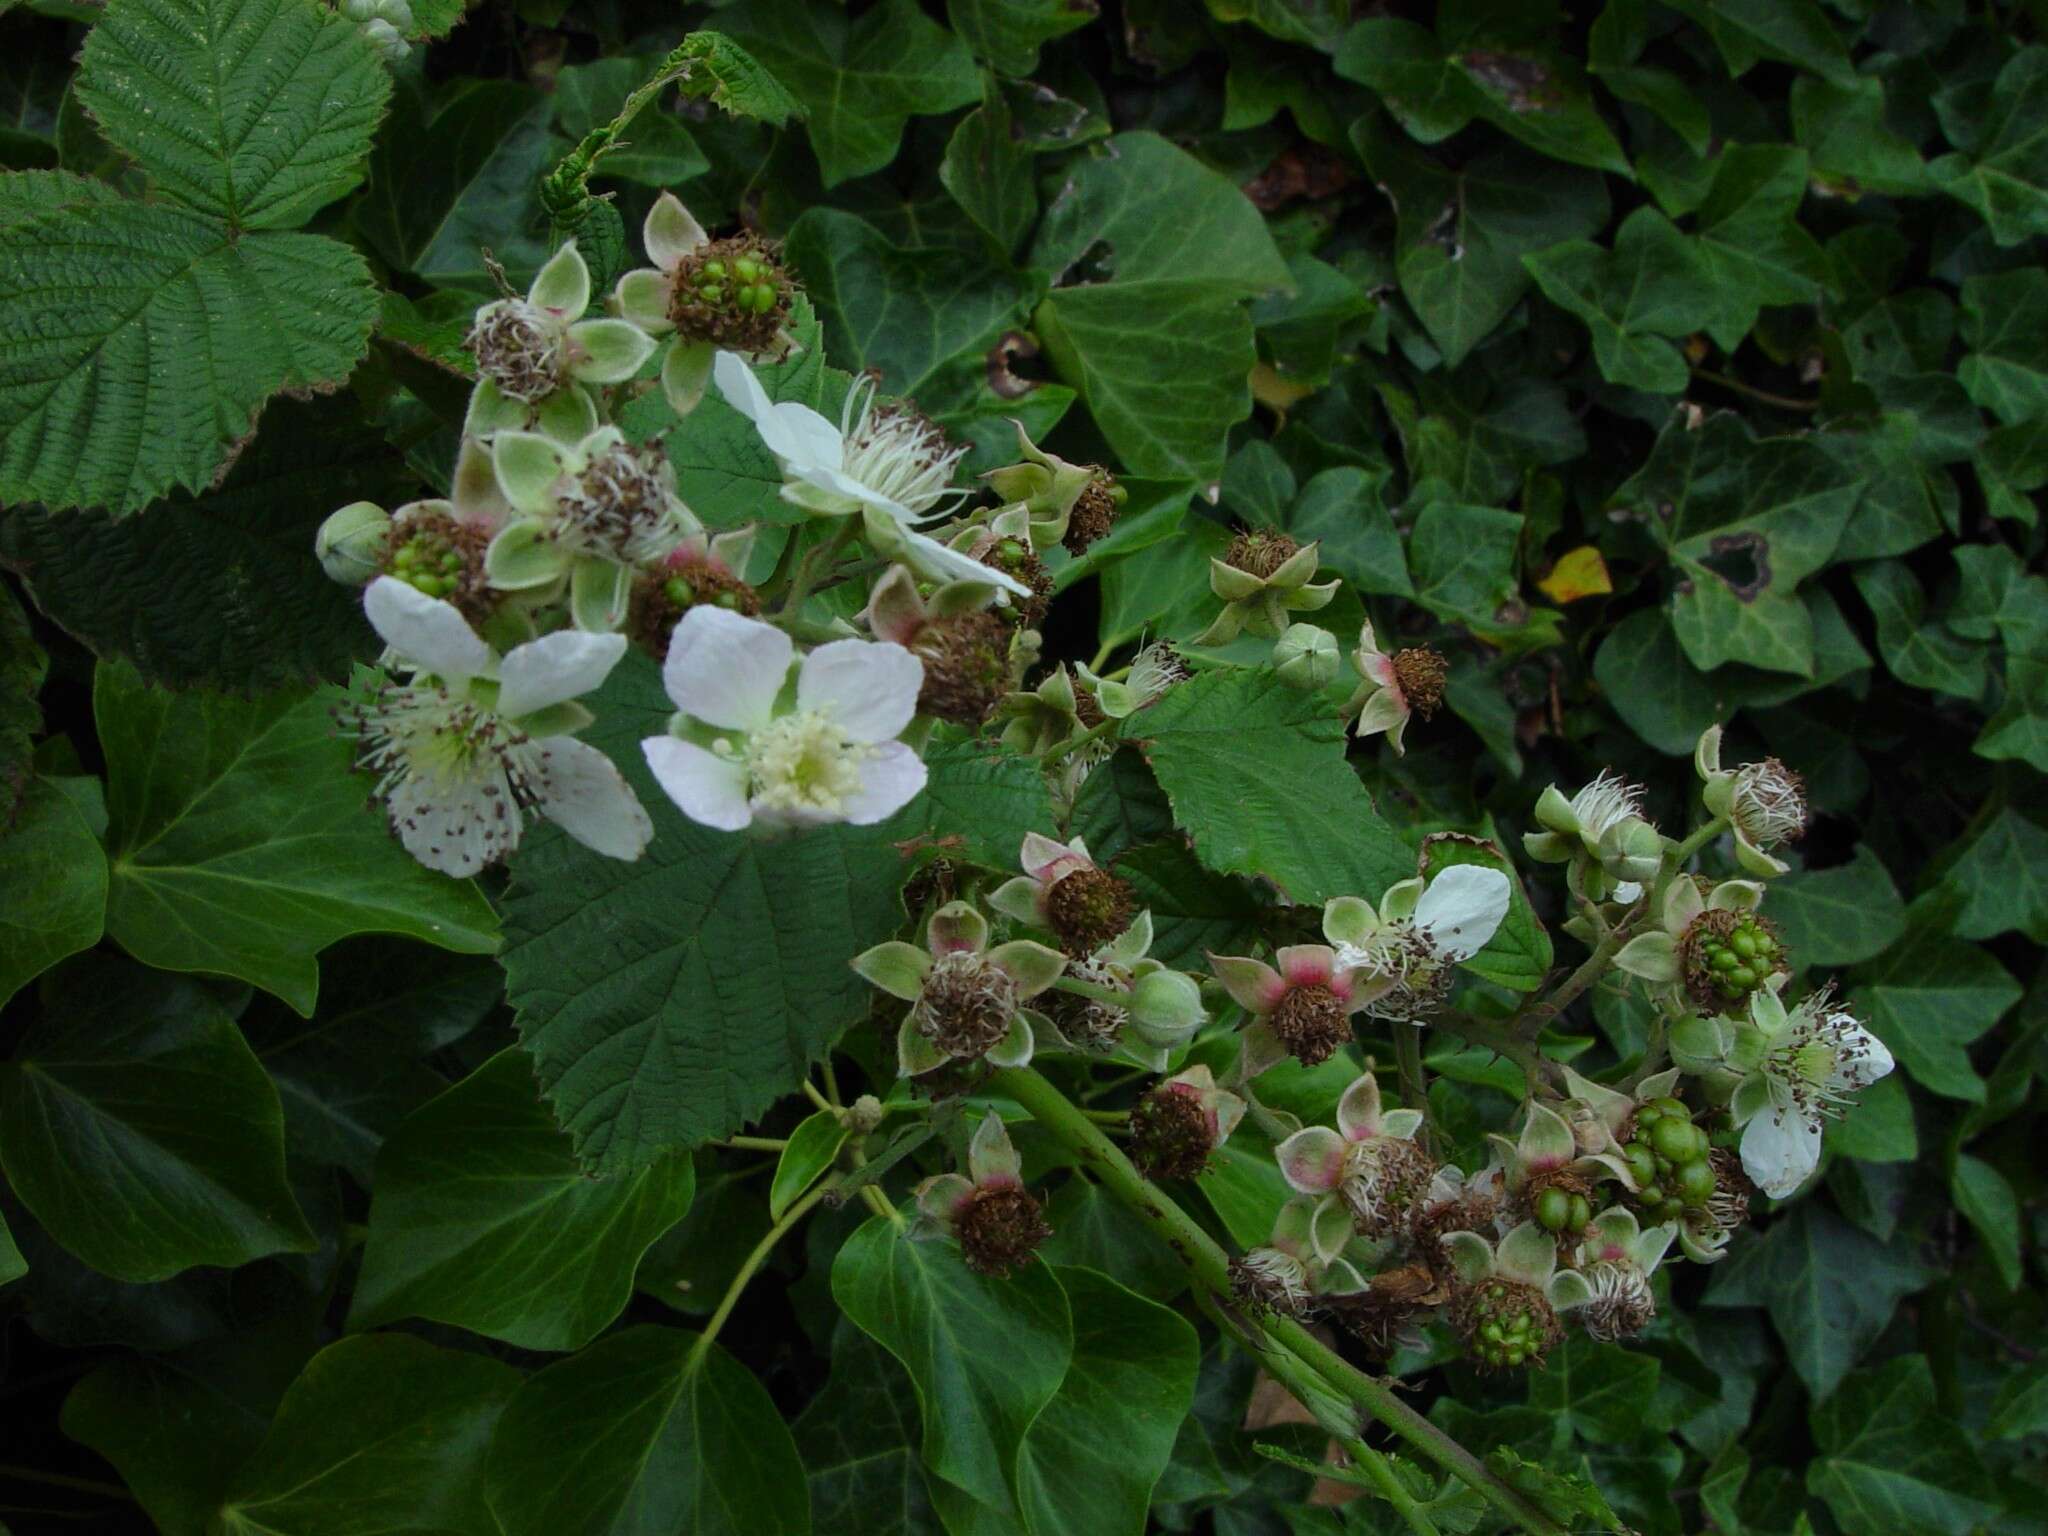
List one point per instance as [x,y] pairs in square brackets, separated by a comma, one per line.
[1358,1111]
[991,1159]
[1308,965]
[957,928]
[1312,1160]
[1252,984]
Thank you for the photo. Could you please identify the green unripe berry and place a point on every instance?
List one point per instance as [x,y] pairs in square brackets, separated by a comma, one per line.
[1651,1194]
[1672,1139]
[1553,1210]
[1670,1107]
[1743,942]
[1582,1211]
[1696,1183]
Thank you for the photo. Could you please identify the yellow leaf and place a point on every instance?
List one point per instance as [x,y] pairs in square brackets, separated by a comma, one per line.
[1579,573]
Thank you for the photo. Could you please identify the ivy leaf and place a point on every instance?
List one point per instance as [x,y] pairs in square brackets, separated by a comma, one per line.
[1842,126]
[1891,1460]
[988,172]
[1790,31]
[2000,168]
[219,590]
[434,215]
[1930,996]
[1749,236]
[1984,1197]
[673,1435]
[177,1440]
[1745,521]
[1917,650]
[1653,286]
[1533,94]
[986,1356]
[378,1433]
[1152,252]
[901,312]
[142,340]
[859,1438]
[2003,318]
[1463,561]
[53,886]
[256,112]
[1839,916]
[1462,233]
[1276,823]
[1830,1289]
[2003,876]
[138,1128]
[1008,33]
[240,844]
[1601,1390]
[859,80]
[609,964]
[1344,511]
[479,1194]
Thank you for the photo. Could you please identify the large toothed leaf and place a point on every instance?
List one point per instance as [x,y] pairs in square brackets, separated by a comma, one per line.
[138,343]
[672,1000]
[258,112]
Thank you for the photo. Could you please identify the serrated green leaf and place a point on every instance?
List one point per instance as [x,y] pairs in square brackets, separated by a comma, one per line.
[656,150]
[378,1433]
[606,983]
[859,79]
[1277,823]
[482,1218]
[220,590]
[986,1356]
[53,886]
[902,313]
[142,1134]
[1829,1287]
[1892,1461]
[140,342]
[257,112]
[240,845]
[719,68]
[1194,912]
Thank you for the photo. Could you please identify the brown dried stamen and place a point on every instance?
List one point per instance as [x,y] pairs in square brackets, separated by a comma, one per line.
[1312,1023]
[966,666]
[1420,672]
[1000,1229]
[1087,908]
[517,350]
[1170,1136]
[1093,513]
[662,597]
[967,1004]
[1260,551]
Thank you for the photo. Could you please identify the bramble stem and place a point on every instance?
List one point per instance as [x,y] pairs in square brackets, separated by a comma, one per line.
[1392,1489]
[1067,749]
[1408,1063]
[753,1262]
[754,1143]
[1206,1262]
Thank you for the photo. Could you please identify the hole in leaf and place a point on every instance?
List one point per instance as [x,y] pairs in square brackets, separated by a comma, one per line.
[1742,560]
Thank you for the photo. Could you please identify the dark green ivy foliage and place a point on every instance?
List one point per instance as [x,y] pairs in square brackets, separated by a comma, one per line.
[1659,363]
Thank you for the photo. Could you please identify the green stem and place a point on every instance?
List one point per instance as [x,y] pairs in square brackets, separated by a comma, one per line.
[1090,990]
[1675,855]
[1067,749]
[20,1474]
[818,556]
[1209,1266]
[1782,402]
[1391,1488]
[753,1262]
[1408,1062]
[754,1143]
[1567,991]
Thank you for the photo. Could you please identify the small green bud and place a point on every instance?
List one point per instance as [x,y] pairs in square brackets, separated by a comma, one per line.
[350,543]
[1166,1000]
[1306,657]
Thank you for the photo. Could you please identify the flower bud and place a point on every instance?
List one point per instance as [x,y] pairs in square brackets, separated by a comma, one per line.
[1306,657]
[1166,1000]
[1632,849]
[864,1114]
[350,543]
[1698,1045]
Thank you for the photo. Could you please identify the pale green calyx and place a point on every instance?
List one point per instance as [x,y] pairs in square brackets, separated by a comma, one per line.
[350,543]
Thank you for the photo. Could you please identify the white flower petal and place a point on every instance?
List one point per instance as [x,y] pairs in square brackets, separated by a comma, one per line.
[453,826]
[889,781]
[430,634]
[564,665]
[585,795]
[1865,1058]
[868,687]
[795,434]
[1462,908]
[937,560]
[725,668]
[1780,1150]
[706,788]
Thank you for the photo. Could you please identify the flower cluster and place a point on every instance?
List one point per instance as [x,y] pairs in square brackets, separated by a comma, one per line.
[567,532]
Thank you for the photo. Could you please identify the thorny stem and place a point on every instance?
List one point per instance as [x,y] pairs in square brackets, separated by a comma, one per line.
[1408,1064]
[1567,991]
[753,1262]
[1391,1488]
[1206,1262]
[819,555]
[1067,749]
